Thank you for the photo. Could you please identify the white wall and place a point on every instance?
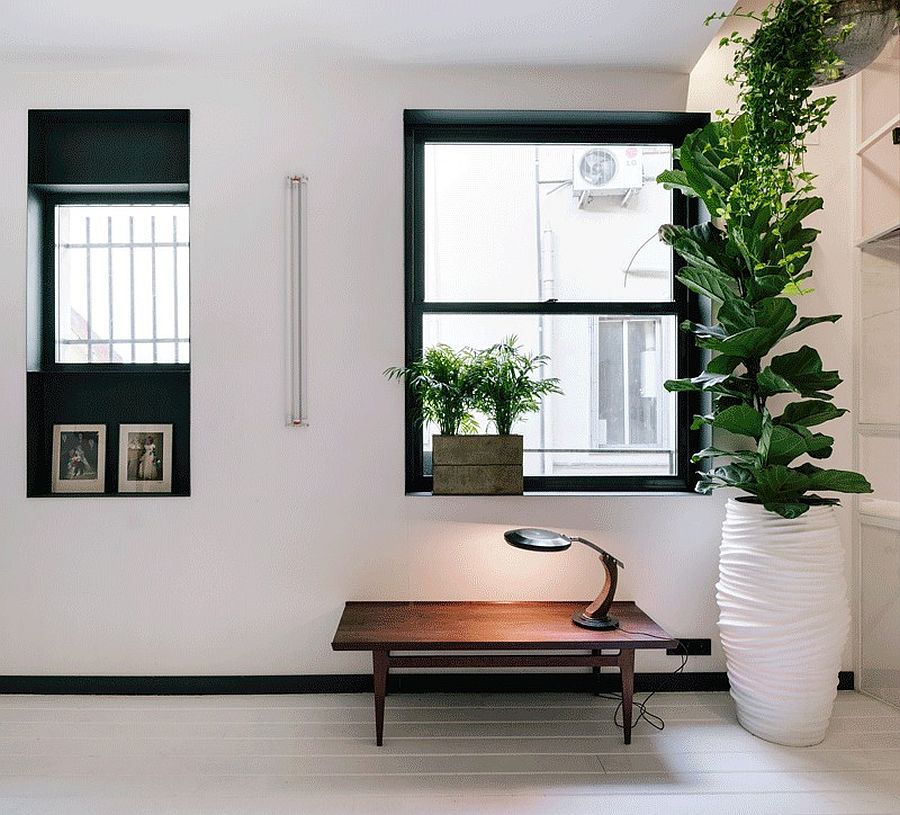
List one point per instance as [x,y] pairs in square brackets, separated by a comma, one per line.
[249,574]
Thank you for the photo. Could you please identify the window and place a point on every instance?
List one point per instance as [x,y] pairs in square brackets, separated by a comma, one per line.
[543,226]
[122,283]
[108,276]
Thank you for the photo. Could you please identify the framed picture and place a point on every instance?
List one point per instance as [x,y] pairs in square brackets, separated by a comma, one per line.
[145,458]
[79,458]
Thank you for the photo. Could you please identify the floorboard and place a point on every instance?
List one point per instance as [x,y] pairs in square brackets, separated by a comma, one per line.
[469,753]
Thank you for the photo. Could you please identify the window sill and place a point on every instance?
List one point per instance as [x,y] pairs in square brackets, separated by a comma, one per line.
[570,494]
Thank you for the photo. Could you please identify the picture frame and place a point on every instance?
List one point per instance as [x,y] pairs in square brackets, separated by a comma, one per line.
[145,458]
[79,458]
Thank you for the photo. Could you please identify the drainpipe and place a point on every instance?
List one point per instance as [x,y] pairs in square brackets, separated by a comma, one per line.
[546,288]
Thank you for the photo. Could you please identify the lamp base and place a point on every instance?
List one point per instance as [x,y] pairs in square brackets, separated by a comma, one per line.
[607,623]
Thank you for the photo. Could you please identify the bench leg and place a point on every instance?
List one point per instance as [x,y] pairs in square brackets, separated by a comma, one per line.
[380,673]
[626,668]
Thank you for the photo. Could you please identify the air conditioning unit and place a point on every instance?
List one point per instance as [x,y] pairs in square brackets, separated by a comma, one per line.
[607,170]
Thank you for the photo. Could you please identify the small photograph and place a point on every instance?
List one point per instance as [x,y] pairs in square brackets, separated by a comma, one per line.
[79,458]
[145,458]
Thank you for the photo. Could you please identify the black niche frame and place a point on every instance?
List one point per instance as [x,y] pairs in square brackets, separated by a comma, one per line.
[99,157]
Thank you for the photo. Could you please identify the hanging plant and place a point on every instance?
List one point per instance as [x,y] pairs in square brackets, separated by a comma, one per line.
[748,170]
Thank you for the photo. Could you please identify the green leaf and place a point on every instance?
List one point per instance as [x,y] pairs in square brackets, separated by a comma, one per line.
[800,372]
[676,179]
[699,421]
[786,509]
[743,456]
[797,210]
[740,419]
[722,364]
[770,383]
[765,436]
[779,482]
[806,322]
[702,330]
[818,445]
[785,446]
[768,285]
[737,315]
[839,481]
[809,413]
[770,318]
[717,286]
[713,383]
[704,165]
[735,475]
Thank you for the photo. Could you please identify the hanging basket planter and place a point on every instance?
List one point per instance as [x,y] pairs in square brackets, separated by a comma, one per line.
[874,21]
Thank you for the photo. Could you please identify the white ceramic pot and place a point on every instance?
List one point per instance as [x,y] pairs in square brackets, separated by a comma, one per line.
[784,619]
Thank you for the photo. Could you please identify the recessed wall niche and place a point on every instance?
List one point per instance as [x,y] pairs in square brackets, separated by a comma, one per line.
[108,274]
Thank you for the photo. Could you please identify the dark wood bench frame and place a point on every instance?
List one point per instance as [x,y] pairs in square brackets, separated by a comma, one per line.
[385,627]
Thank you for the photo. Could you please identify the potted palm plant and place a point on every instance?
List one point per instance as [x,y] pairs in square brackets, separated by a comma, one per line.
[784,615]
[503,382]
[443,383]
[506,385]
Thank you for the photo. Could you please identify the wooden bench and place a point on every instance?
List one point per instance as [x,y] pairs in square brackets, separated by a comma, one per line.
[453,627]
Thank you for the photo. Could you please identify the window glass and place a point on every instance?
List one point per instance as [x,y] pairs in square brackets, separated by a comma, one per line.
[614,417]
[535,222]
[122,282]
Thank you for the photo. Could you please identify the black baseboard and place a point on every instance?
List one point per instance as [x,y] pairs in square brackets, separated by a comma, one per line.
[362,683]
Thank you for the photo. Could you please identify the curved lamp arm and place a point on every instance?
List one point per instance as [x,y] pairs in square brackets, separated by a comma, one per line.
[597,613]
[603,553]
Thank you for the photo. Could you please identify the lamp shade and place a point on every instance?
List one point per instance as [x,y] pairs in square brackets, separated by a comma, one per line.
[537,540]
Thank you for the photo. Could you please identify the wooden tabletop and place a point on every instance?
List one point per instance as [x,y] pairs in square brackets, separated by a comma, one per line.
[458,625]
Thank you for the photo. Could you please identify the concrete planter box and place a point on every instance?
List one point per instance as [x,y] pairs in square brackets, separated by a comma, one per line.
[477,465]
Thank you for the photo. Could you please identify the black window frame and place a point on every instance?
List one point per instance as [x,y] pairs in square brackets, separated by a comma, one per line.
[49,201]
[526,126]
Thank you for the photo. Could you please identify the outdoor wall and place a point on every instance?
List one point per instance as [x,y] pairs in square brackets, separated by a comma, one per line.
[249,574]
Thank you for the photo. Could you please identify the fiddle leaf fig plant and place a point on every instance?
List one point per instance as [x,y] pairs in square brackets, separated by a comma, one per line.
[751,260]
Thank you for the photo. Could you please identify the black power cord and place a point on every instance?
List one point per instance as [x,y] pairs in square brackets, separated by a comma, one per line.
[656,722]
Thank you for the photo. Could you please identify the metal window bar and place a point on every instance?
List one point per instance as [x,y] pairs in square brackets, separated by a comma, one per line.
[153,277]
[131,273]
[109,264]
[87,251]
[175,280]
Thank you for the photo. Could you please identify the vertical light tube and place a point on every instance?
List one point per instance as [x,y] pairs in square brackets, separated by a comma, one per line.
[297,416]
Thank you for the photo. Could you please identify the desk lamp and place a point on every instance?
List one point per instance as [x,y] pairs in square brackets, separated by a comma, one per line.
[596,615]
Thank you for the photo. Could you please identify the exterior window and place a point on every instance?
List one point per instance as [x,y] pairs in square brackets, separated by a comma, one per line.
[634,423]
[122,283]
[546,230]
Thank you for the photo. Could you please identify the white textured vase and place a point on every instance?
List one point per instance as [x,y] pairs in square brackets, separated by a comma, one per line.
[783,619]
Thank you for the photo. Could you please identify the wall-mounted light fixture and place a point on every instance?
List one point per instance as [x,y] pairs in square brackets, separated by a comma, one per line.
[298,345]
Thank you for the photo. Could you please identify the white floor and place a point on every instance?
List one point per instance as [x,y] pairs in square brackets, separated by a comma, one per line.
[553,754]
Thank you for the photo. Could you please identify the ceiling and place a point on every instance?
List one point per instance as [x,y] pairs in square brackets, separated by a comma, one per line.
[656,34]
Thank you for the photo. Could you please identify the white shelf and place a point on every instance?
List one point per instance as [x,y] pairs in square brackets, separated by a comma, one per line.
[886,128]
[887,239]
[879,512]
[878,429]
